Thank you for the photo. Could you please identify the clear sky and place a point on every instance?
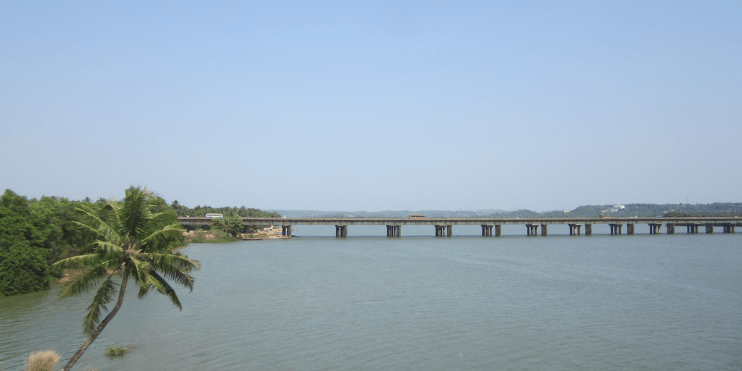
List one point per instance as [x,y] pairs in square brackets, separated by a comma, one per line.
[373,105]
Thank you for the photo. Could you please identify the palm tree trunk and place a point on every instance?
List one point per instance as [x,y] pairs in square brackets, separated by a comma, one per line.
[101,326]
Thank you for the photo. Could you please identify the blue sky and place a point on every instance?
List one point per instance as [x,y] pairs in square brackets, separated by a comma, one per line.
[373,105]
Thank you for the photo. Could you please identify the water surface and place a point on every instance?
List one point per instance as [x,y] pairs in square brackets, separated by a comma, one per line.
[419,303]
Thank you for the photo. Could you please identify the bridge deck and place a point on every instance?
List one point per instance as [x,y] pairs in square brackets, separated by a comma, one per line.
[470,221]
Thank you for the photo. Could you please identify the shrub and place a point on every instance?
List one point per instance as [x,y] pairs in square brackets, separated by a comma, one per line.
[42,361]
[117,351]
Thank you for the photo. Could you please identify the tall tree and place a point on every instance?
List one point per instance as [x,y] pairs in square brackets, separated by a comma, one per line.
[22,253]
[135,241]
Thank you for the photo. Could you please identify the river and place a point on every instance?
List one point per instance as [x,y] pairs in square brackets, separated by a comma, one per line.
[468,302]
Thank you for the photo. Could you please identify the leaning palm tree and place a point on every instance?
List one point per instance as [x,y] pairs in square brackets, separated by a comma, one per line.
[135,240]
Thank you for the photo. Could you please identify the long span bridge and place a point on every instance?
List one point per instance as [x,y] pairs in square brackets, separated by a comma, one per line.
[444,226]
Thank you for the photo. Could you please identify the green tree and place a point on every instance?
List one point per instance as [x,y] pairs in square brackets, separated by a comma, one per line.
[22,253]
[136,242]
[234,225]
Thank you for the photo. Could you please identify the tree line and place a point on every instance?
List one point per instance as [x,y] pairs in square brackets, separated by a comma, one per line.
[201,211]
[34,233]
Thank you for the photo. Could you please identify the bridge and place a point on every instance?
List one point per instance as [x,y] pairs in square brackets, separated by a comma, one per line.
[444,226]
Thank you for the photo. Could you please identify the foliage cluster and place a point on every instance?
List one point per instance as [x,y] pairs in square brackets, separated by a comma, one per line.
[36,233]
[23,247]
[231,224]
[117,351]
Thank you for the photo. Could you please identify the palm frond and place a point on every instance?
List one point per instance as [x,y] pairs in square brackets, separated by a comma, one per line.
[164,288]
[144,289]
[102,229]
[173,267]
[172,229]
[114,207]
[139,271]
[135,214]
[109,250]
[77,261]
[178,261]
[105,295]
[84,282]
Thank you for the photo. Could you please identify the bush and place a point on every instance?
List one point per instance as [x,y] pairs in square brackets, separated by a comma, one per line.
[42,361]
[117,351]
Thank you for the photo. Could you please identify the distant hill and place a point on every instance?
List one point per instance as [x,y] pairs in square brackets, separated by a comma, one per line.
[589,211]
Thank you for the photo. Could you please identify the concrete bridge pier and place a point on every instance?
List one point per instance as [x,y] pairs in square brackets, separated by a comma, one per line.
[728,228]
[670,228]
[394,231]
[286,230]
[616,228]
[692,228]
[574,229]
[531,229]
[654,228]
[544,230]
[341,231]
[443,230]
[709,228]
[630,229]
[588,230]
[486,230]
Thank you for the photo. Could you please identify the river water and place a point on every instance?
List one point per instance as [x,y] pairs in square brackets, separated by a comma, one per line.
[650,302]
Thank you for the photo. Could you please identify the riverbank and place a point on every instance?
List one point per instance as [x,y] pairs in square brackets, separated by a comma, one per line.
[207,236]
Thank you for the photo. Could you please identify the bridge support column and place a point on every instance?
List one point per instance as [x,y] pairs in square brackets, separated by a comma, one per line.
[544,230]
[616,228]
[531,229]
[588,230]
[498,230]
[394,231]
[654,228]
[692,228]
[670,228]
[439,230]
[341,231]
[486,230]
[629,229]
[574,229]
[709,228]
[286,230]
[728,228]
[449,230]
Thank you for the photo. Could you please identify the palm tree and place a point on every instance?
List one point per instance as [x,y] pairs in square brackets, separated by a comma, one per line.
[135,240]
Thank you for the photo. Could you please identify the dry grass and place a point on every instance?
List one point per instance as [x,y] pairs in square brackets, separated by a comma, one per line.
[42,361]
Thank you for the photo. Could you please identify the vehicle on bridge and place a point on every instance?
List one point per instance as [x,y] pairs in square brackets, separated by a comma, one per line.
[418,217]
[214,215]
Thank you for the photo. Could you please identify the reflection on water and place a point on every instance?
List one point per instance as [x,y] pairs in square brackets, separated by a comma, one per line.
[559,302]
